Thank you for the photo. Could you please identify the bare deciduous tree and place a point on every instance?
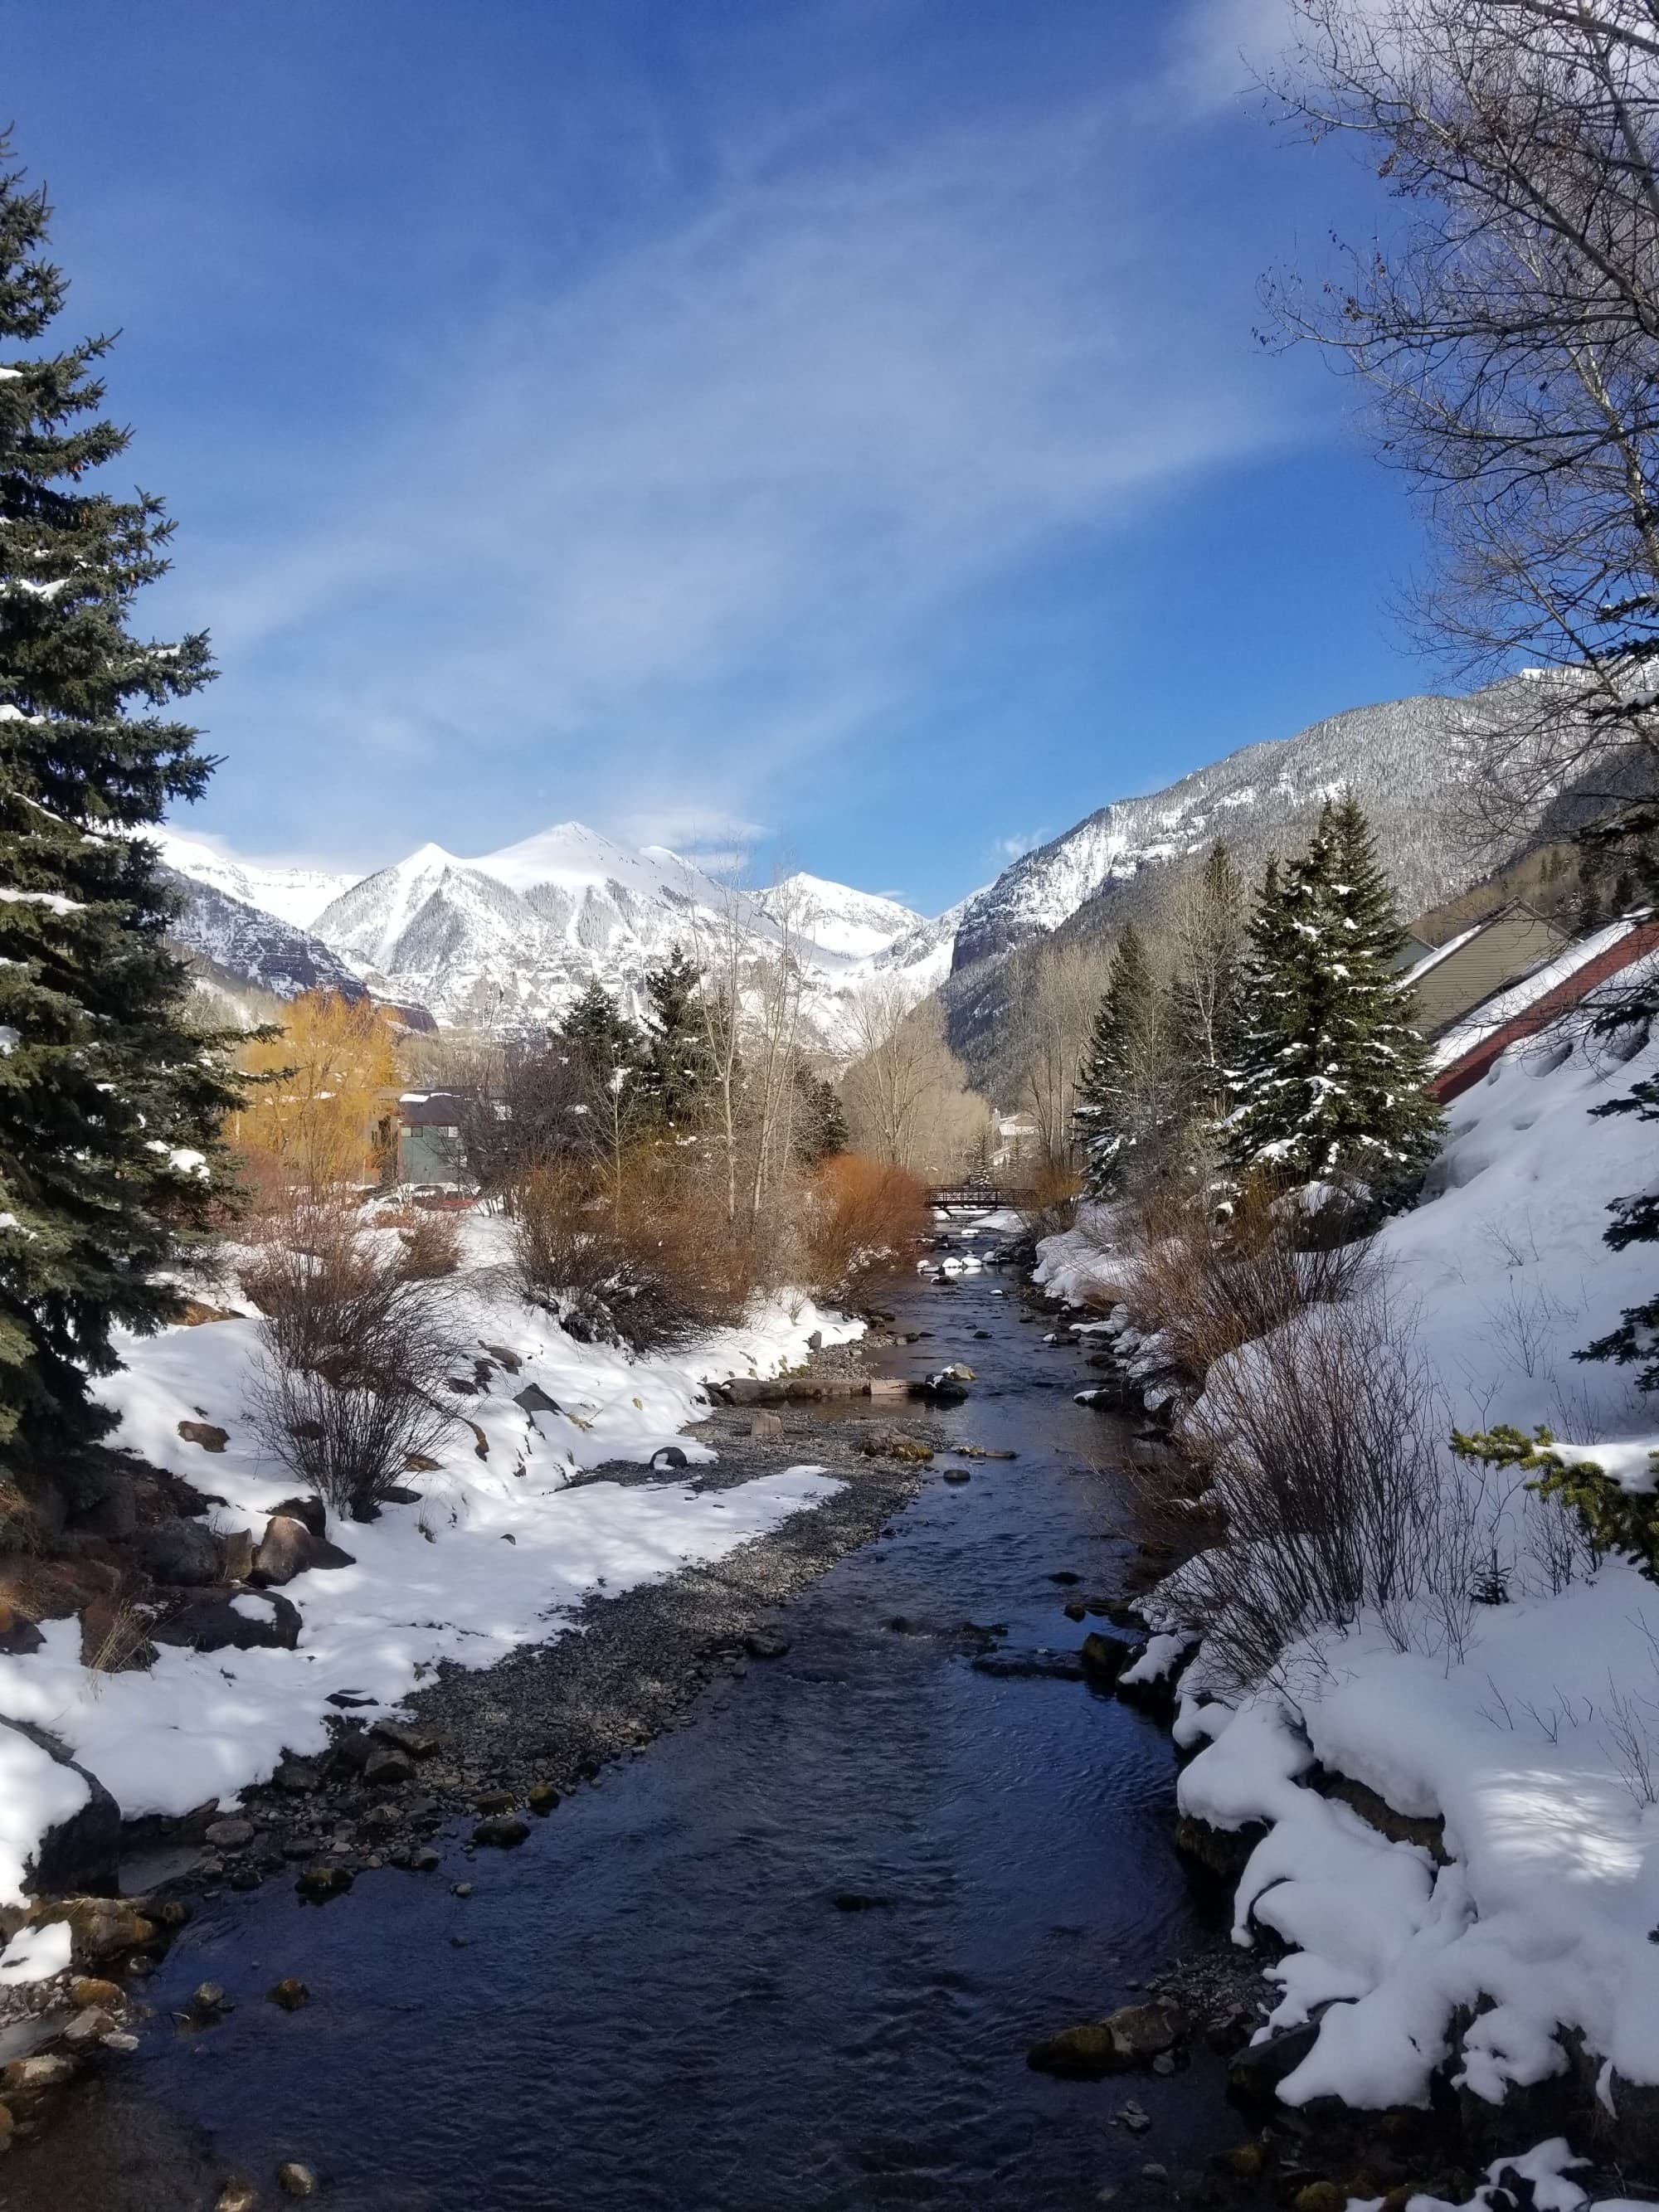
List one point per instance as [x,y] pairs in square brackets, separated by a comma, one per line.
[1510,331]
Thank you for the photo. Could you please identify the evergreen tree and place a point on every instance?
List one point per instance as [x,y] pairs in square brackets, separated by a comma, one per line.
[110,1097]
[820,1120]
[679,1073]
[1333,1084]
[602,1034]
[1117,1109]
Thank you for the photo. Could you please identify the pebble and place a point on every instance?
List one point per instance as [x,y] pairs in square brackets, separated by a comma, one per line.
[462,1889]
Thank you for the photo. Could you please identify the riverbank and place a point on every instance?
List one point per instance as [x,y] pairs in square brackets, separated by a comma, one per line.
[796,1951]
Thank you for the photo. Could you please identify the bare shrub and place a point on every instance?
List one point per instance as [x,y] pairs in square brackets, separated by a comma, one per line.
[862,1213]
[648,1265]
[358,1354]
[431,1245]
[1321,1441]
[1210,1285]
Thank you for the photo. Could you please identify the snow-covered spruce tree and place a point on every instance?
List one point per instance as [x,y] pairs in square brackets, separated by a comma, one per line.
[109,1098]
[1116,1107]
[679,1073]
[1333,1080]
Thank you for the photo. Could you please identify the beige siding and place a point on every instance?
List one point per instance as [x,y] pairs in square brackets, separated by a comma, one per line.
[1511,944]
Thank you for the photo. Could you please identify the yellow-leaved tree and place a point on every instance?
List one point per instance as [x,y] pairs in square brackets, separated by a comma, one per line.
[322,1114]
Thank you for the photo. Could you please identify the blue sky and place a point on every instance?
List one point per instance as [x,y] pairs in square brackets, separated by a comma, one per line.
[831,429]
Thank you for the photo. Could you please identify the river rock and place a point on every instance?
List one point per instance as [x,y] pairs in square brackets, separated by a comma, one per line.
[29,2078]
[209,2002]
[88,2027]
[19,1636]
[295,2179]
[762,1644]
[542,1797]
[237,2196]
[957,1475]
[503,1830]
[765,1429]
[179,1552]
[1131,2036]
[419,1743]
[232,1835]
[289,1549]
[1257,2071]
[1040,1665]
[290,1993]
[1104,1657]
[298,1777]
[386,1767]
[667,1459]
[89,1989]
[319,1883]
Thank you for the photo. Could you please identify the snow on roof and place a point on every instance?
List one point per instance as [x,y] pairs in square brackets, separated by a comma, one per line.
[1416,972]
[1491,1015]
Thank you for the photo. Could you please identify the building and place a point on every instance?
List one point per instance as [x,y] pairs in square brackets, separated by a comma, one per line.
[430,1151]
[1463,1053]
[1454,978]
[1013,1139]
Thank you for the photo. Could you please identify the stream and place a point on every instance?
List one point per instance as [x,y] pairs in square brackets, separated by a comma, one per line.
[656,2002]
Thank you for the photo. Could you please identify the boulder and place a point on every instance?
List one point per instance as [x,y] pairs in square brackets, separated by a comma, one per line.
[1257,2071]
[295,2179]
[232,1620]
[1131,2036]
[386,1767]
[310,1510]
[208,1434]
[765,1429]
[83,1852]
[298,1777]
[667,1459]
[288,1547]
[957,1475]
[88,2027]
[749,1390]
[181,1551]
[762,1644]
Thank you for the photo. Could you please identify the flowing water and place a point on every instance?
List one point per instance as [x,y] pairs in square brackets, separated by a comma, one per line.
[656,2003]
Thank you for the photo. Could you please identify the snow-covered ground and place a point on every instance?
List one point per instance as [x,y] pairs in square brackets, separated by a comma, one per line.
[1533,1731]
[500,1551]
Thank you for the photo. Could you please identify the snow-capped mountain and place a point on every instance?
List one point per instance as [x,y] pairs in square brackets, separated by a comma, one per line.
[297,896]
[1406,762]
[507,939]
[246,943]
[859,925]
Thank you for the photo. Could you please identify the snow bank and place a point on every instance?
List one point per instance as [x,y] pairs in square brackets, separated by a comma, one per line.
[1080,1264]
[501,1551]
[1537,1741]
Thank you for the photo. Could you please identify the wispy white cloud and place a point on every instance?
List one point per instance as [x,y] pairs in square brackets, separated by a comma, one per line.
[667,537]
[1016,847]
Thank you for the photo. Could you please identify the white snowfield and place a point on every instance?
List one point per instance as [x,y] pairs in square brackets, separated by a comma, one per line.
[1538,1742]
[500,1552]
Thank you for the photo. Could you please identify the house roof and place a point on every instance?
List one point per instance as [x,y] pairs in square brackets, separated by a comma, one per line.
[431,1110]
